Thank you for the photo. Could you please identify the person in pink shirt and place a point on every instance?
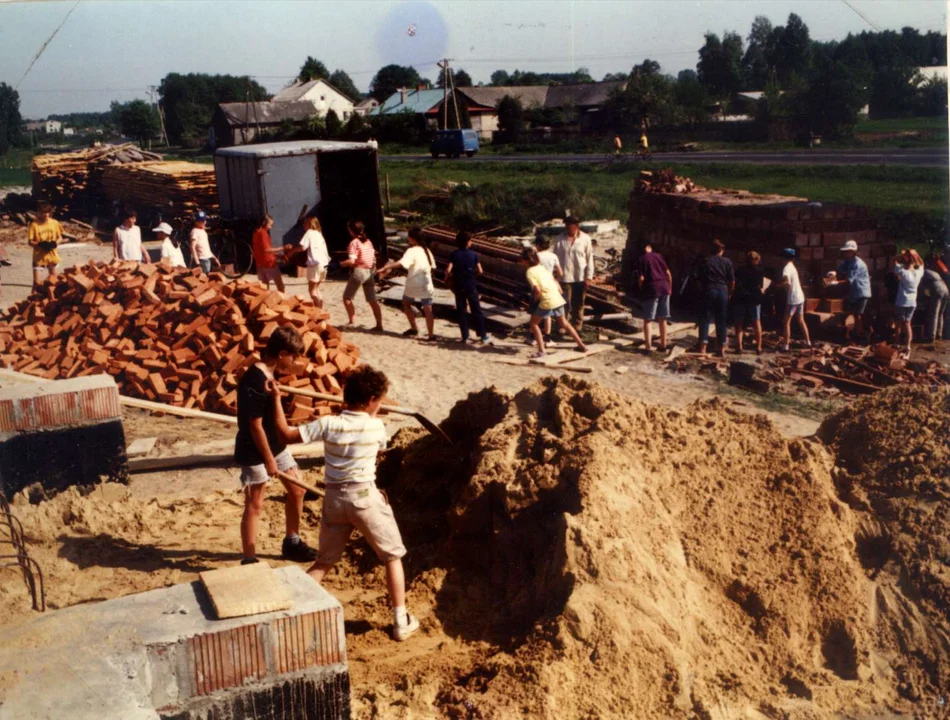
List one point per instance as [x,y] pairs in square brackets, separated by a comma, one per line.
[361,257]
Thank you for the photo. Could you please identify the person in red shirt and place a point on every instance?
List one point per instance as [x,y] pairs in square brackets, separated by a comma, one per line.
[264,255]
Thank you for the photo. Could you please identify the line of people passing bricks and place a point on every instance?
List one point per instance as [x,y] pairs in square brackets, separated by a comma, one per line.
[911,285]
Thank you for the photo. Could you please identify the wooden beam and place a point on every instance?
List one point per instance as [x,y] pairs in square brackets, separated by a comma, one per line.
[207,459]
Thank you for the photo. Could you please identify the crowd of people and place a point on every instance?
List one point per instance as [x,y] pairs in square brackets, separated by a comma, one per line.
[911,283]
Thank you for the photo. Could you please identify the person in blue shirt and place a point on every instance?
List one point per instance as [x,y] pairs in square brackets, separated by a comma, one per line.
[460,275]
[853,271]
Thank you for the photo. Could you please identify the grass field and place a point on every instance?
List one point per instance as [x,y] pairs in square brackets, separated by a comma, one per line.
[890,189]
[15,167]
[916,124]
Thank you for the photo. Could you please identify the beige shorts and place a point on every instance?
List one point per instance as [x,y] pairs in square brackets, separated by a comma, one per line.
[257,474]
[361,506]
[361,277]
[316,273]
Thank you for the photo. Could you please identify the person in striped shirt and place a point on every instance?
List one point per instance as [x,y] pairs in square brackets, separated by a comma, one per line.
[351,442]
[361,257]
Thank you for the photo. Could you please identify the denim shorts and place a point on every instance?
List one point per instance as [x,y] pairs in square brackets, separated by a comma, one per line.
[205,265]
[856,306]
[257,474]
[553,313]
[657,308]
[421,302]
[793,310]
[904,314]
[747,313]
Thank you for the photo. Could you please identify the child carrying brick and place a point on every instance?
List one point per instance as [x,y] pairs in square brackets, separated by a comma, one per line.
[261,452]
[352,440]
[44,235]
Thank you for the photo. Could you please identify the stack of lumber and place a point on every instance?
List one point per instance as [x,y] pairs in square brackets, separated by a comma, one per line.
[72,181]
[170,335]
[178,188]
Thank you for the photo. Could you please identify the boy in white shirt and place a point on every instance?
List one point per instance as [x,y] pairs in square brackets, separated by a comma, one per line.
[795,300]
[171,250]
[418,263]
[352,441]
[201,245]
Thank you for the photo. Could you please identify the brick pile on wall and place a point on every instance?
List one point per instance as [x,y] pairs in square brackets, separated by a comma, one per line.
[170,335]
[681,226]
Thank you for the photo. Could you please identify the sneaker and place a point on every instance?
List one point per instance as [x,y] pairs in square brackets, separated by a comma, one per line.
[402,632]
[297,551]
[485,340]
[410,333]
[249,561]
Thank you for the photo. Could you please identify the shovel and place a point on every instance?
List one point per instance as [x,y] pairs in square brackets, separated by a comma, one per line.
[419,417]
[299,483]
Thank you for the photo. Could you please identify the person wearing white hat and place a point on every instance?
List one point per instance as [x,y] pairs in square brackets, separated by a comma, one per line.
[853,271]
[171,251]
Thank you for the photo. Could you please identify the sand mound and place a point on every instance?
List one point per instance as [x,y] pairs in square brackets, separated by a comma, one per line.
[626,560]
[893,455]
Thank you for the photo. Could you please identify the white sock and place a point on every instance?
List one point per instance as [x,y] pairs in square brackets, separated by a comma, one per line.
[294,538]
[400,616]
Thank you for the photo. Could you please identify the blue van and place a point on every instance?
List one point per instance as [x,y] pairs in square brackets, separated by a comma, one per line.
[453,143]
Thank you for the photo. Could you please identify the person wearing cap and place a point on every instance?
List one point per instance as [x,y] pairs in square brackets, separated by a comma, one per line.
[575,253]
[794,300]
[171,251]
[853,271]
[718,278]
[127,240]
[200,245]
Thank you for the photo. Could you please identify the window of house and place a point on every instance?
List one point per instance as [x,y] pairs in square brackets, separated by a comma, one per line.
[323,97]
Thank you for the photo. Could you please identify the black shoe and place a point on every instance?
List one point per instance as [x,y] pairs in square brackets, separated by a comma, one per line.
[297,551]
[249,561]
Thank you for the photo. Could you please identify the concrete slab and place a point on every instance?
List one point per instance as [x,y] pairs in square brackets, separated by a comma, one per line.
[161,654]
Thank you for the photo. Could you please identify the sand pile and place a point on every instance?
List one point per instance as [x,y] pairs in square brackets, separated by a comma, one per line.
[893,455]
[625,560]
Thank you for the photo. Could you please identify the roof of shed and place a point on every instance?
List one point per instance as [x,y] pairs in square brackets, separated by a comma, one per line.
[266,113]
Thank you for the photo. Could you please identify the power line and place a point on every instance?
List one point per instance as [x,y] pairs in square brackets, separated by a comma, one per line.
[861,15]
[48,41]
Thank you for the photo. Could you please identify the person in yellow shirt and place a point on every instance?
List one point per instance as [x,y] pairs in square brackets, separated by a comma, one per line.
[547,301]
[44,235]
[644,143]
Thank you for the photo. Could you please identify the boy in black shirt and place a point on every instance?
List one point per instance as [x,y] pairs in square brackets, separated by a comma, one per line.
[461,273]
[259,451]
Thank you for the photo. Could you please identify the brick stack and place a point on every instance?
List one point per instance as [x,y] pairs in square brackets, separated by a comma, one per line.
[170,335]
[681,226]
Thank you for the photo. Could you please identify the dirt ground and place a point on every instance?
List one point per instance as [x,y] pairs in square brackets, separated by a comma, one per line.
[656,552]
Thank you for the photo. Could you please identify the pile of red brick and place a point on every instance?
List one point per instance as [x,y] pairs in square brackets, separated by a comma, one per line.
[169,335]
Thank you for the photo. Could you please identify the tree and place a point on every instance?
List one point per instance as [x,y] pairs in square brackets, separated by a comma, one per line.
[459,77]
[391,78]
[333,124]
[9,117]
[189,101]
[615,77]
[690,98]
[510,117]
[355,128]
[755,62]
[791,54]
[312,69]
[932,97]
[719,67]
[342,82]
[833,94]
[645,100]
[500,78]
[136,120]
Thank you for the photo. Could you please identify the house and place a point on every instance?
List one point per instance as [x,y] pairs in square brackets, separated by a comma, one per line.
[420,102]
[937,72]
[239,123]
[366,107]
[44,126]
[319,93]
[69,131]
[586,99]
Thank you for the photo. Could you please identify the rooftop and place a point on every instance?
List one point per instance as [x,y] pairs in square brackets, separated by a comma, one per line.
[297,147]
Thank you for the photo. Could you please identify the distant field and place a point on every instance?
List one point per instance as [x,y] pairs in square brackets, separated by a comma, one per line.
[15,167]
[917,124]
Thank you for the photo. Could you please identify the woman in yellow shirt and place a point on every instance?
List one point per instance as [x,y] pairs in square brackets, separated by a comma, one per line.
[44,235]
[547,301]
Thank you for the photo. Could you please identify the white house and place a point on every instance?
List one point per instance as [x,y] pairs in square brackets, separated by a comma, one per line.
[53,126]
[366,107]
[319,93]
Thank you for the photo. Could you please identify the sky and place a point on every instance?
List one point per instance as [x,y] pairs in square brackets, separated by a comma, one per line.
[116,49]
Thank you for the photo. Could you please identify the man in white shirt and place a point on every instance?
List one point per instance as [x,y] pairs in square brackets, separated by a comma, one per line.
[795,299]
[575,253]
[171,250]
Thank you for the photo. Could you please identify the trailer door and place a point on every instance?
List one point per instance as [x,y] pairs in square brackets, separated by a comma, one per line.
[287,184]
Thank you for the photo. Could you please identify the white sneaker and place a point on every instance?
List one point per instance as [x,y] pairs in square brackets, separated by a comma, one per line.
[402,632]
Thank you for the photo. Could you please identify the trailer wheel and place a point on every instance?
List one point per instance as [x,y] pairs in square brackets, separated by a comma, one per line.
[470,153]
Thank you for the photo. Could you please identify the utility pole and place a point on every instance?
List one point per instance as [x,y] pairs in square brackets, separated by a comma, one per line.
[152,96]
[455,99]
[444,66]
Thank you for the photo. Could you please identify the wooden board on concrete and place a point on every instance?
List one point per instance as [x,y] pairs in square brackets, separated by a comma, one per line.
[245,590]
[509,317]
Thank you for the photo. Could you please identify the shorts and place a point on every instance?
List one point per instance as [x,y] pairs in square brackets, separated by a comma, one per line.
[657,308]
[553,313]
[793,310]
[205,266]
[856,306]
[316,273]
[362,506]
[421,302]
[747,313]
[257,474]
[361,277]
[904,314]
[268,274]
[55,266]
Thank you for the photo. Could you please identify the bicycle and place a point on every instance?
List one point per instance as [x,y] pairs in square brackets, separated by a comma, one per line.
[232,248]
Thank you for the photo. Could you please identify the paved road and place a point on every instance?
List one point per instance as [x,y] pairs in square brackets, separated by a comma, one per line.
[921,157]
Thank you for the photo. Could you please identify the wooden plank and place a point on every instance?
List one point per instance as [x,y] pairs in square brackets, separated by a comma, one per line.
[563,356]
[214,455]
[140,447]
[245,590]
[845,383]
[521,362]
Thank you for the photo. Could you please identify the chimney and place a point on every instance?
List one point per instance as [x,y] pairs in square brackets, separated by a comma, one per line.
[402,95]
[421,87]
